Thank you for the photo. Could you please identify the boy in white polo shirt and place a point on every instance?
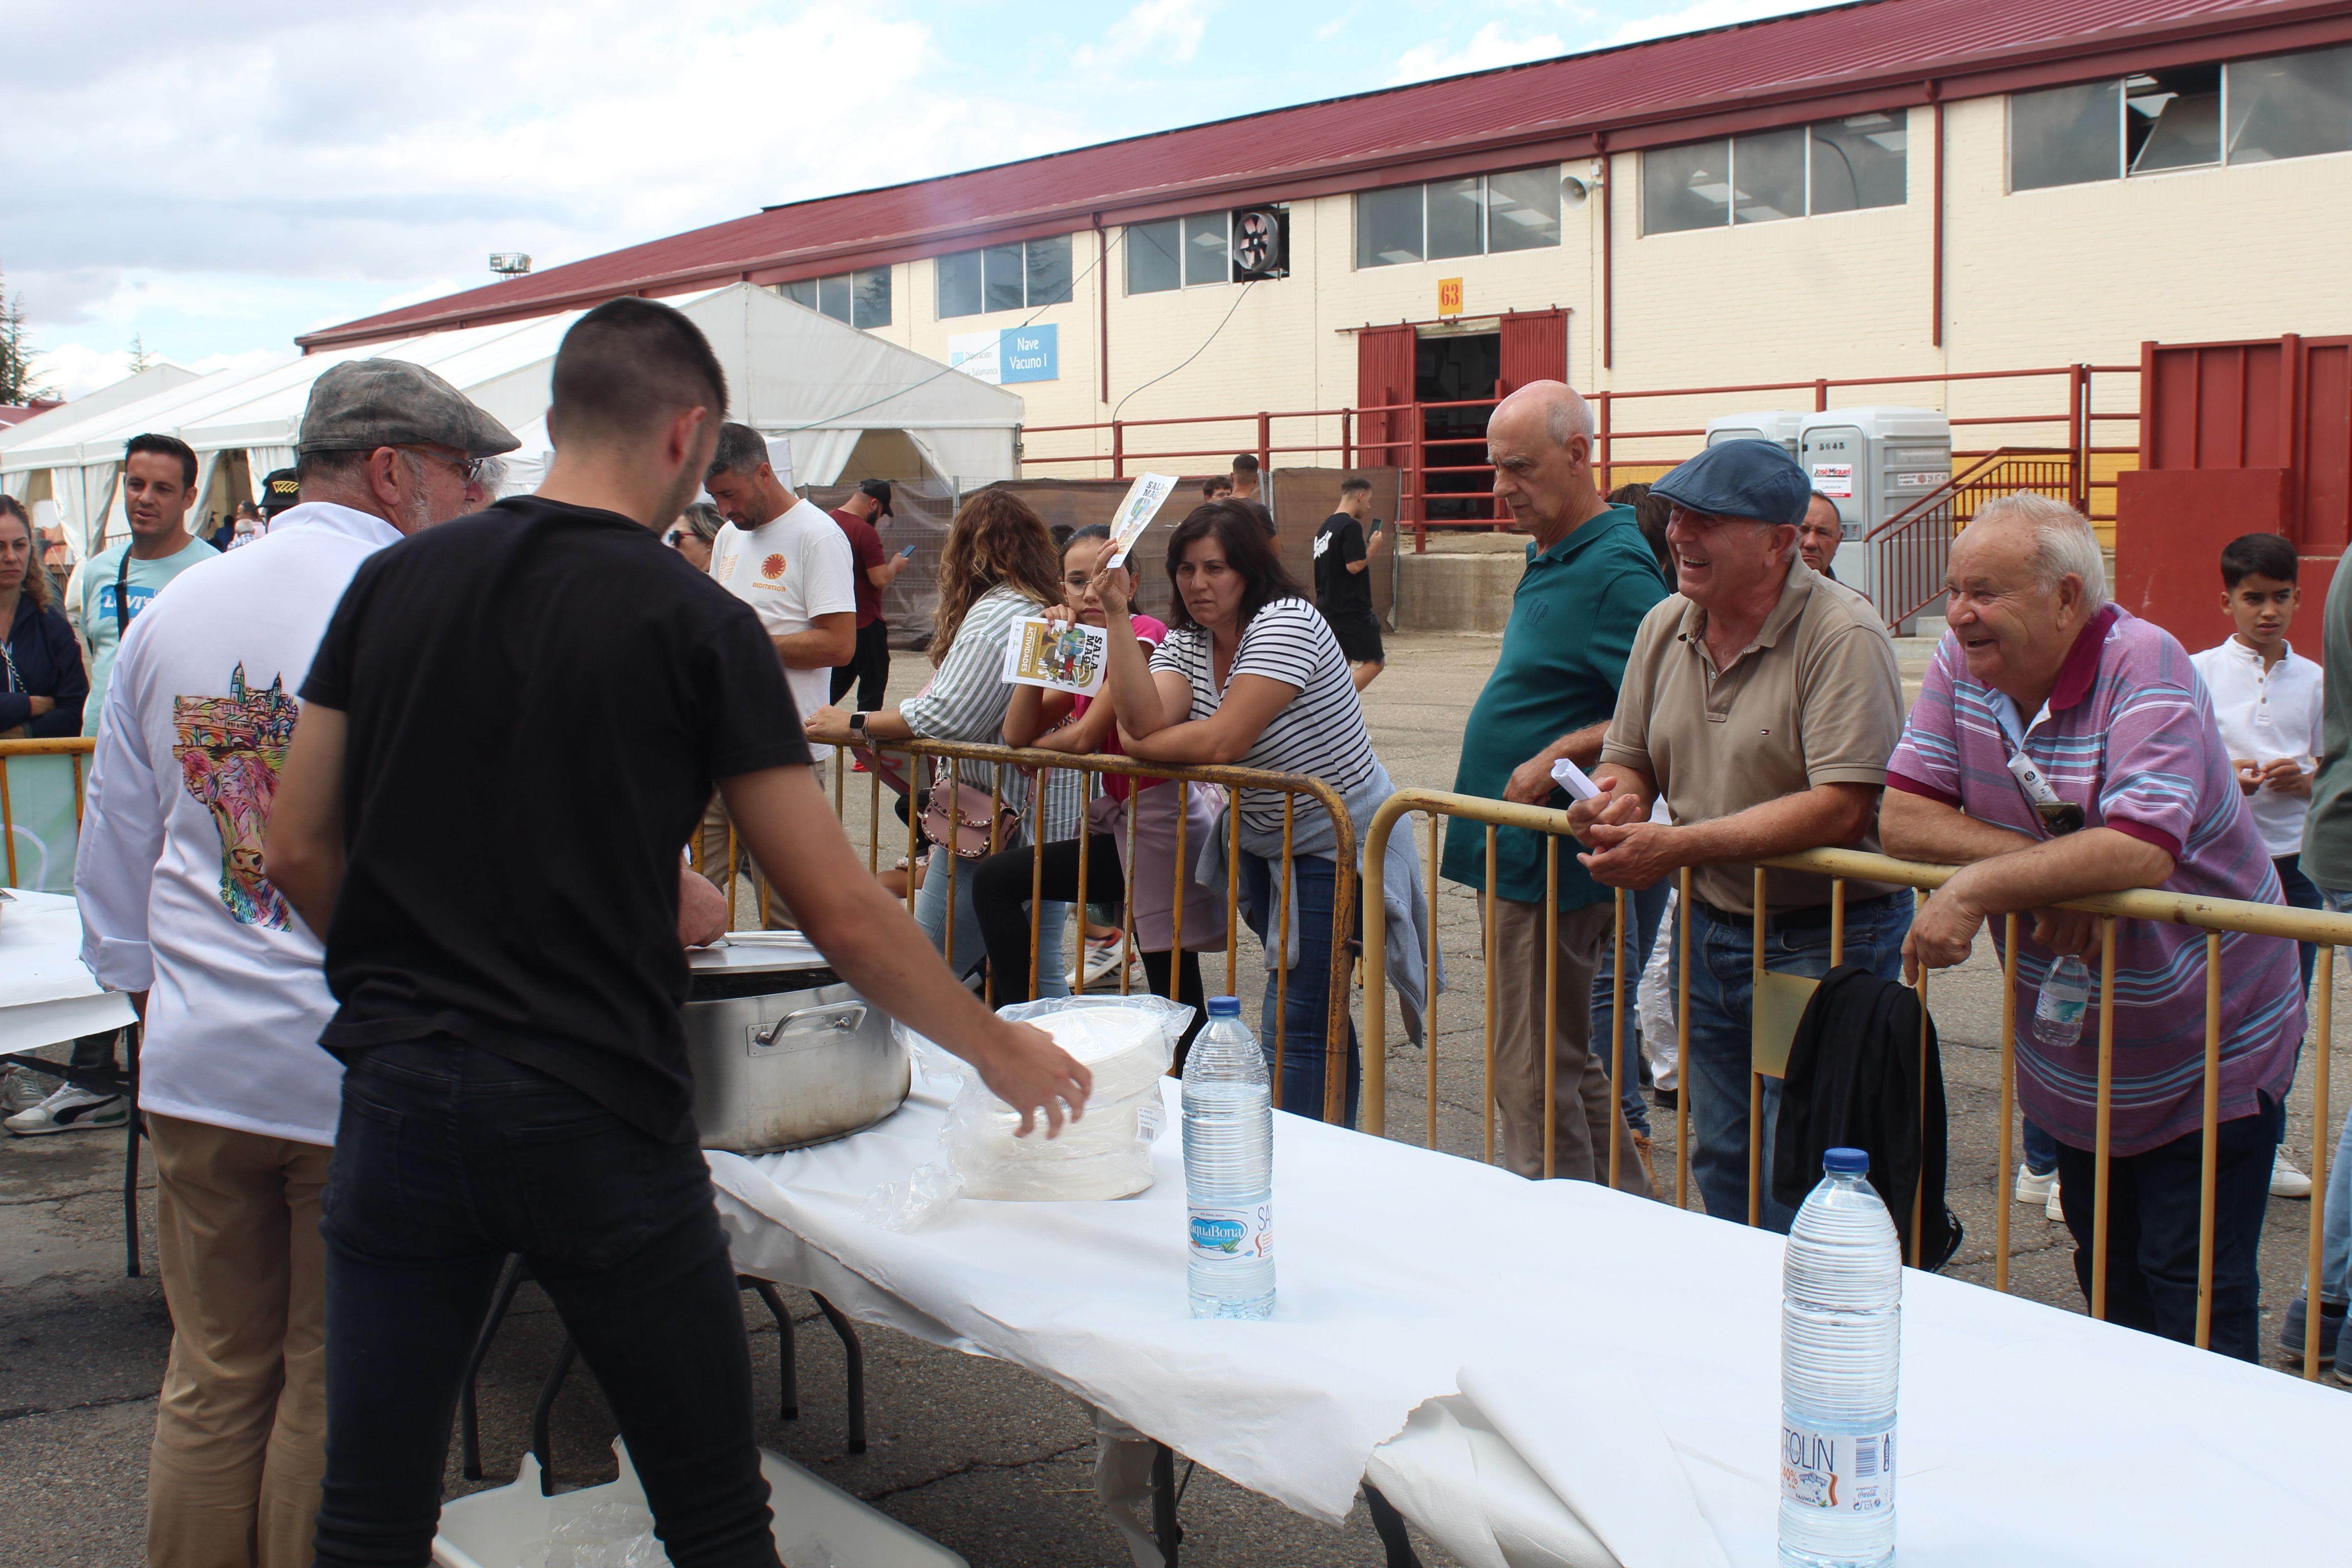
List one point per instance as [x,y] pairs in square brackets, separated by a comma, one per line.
[2266,698]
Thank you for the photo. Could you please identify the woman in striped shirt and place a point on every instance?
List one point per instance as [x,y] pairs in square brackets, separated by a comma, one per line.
[1250,674]
[998,567]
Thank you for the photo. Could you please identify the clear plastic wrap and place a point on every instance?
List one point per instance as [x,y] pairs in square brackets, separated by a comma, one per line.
[1126,1042]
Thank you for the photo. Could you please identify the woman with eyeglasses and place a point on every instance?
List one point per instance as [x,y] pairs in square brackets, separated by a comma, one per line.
[691,535]
[1081,726]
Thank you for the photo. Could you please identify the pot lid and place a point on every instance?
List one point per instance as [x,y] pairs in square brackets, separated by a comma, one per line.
[755,952]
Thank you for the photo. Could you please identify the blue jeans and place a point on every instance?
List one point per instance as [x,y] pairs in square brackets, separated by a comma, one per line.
[1644,909]
[2336,1222]
[2041,1148]
[2153,1213]
[1306,1012]
[1721,1033]
[447,1159]
[931,914]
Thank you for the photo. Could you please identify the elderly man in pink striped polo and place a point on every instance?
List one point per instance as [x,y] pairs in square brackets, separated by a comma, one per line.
[2061,747]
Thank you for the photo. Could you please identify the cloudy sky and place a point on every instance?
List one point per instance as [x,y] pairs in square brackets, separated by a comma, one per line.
[214,179]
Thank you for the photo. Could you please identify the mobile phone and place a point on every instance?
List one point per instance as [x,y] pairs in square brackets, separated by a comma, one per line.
[906,552]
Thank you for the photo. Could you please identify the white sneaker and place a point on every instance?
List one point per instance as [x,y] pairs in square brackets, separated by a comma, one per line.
[21,1088]
[2286,1182]
[69,1110]
[1102,960]
[2050,1210]
[2035,1188]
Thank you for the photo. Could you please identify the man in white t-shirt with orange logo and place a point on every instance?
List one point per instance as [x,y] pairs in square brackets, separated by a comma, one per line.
[789,561]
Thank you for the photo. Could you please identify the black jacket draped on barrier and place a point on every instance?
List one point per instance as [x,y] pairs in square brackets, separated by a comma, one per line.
[1854,1082]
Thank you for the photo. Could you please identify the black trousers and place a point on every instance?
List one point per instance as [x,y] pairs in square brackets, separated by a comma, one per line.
[868,668]
[1000,899]
[2152,1203]
[447,1159]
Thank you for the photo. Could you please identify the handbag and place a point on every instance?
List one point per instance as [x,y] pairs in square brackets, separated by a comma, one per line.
[969,833]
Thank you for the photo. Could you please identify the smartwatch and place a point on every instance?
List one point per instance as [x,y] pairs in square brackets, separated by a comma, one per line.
[857,726]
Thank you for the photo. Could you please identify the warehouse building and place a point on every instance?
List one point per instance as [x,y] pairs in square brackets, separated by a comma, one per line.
[1921,189]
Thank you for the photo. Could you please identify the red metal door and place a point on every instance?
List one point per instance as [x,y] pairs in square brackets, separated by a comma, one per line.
[1535,348]
[1384,357]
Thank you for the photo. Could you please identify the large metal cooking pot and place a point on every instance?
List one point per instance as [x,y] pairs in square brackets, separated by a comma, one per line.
[784,1053]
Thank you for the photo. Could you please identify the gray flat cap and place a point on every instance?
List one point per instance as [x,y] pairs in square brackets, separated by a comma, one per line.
[1741,478]
[365,404]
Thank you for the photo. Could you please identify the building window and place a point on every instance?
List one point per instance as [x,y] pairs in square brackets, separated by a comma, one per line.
[861,298]
[2289,106]
[1479,215]
[1018,277]
[2189,116]
[1833,166]
[1179,252]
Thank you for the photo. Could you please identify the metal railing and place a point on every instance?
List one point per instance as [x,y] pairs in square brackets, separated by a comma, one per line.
[1039,766]
[1394,435]
[1911,549]
[73,747]
[1781,998]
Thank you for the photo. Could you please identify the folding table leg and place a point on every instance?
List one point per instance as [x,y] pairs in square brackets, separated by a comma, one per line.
[131,1195]
[469,1436]
[789,1398]
[1388,1525]
[1163,1503]
[542,1446]
[854,1353]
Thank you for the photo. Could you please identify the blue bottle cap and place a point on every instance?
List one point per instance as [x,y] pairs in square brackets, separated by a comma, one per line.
[1845,1162]
[1224,1006]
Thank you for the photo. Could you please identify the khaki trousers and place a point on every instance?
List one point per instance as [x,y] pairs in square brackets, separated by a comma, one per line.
[1585,1114]
[711,860]
[241,1425]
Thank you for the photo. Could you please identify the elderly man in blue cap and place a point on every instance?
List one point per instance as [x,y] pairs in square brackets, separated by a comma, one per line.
[1761,702]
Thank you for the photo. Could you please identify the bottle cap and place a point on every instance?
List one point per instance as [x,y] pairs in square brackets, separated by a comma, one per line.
[1224,1006]
[1845,1162]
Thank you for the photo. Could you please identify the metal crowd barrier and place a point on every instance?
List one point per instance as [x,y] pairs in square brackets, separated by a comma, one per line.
[73,747]
[1041,765]
[1781,999]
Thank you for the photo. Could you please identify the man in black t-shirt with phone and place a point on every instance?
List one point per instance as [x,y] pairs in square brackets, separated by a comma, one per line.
[1343,583]
[510,729]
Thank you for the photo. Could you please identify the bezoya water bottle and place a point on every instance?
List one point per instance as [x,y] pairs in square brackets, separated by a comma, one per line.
[2064,997]
[1229,1168]
[1841,1337]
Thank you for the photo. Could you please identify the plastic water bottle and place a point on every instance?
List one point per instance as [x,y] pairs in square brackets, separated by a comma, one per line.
[1229,1168]
[2065,995]
[1840,1334]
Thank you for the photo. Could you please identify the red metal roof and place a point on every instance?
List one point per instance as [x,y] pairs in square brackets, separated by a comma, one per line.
[1843,60]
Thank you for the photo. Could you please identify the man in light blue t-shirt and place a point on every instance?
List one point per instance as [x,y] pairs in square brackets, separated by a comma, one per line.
[110,588]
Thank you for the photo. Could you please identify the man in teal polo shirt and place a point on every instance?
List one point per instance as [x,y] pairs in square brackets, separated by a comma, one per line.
[1590,579]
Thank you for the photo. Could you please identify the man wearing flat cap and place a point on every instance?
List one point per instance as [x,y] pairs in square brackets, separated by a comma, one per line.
[1761,702]
[179,910]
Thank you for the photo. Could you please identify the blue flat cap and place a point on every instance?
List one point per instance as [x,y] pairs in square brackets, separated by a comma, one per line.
[1741,478]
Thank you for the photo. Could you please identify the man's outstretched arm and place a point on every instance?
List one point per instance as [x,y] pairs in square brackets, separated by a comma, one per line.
[871,942]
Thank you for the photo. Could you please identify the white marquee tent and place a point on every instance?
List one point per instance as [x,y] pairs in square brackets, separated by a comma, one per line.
[798,377]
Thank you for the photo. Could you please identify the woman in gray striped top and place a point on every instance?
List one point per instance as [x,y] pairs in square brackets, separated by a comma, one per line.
[999,566]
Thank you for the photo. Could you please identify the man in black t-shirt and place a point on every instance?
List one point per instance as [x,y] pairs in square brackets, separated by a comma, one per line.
[1343,583]
[511,728]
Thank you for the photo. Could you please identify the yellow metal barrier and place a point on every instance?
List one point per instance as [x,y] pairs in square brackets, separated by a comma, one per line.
[73,746]
[1041,765]
[1780,1002]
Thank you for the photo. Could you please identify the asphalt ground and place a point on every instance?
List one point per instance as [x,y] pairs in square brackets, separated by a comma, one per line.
[976,1454]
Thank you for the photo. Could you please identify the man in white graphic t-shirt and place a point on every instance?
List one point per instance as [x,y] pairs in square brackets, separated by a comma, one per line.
[789,561]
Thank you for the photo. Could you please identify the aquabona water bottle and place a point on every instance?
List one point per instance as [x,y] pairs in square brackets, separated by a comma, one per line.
[1840,1334]
[1229,1168]
[2064,997]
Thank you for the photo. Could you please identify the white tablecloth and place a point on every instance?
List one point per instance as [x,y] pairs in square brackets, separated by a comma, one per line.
[46,994]
[1549,1374]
